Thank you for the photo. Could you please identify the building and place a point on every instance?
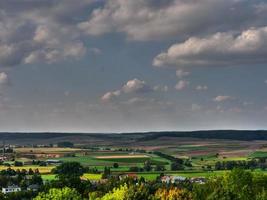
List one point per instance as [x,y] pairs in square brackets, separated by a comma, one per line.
[10,189]
[172,179]
[33,187]
[53,162]
[128,175]
[199,180]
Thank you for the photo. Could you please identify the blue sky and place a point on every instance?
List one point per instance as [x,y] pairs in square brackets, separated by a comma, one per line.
[132,65]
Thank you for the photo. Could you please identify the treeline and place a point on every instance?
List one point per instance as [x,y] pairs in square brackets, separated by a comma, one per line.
[236,185]
[251,164]
[213,134]
[239,184]
[168,157]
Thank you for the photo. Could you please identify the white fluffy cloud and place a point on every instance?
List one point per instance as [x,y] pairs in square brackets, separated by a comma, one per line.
[220,49]
[134,86]
[222,98]
[148,19]
[110,96]
[181,85]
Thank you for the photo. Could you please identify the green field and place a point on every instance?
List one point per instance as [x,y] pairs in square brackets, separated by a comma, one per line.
[258,154]
[49,177]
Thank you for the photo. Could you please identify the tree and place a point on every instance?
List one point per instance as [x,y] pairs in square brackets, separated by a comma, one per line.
[115,165]
[106,172]
[18,163]
[115,194]
[176,166]
[218,165]
[159,168]
[173,194]
[137,192]
[237,184]
[69,170]
[147,165]
[59,194]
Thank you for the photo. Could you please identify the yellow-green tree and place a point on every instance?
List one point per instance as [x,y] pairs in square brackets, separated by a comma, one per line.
[173,194]
[59,194]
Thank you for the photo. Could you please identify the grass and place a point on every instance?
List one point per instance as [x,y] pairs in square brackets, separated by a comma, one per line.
[258,154]
[50,177]
[125,160]
[92,176]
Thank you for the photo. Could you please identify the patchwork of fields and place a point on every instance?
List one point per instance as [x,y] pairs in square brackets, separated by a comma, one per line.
[200,153]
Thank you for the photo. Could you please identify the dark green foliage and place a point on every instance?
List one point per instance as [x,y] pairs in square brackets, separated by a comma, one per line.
[69,169]
[115,165]
[236,185]
[106,173]
[147,166]
[229,165]
[160,168]
[18,163]
[176,166]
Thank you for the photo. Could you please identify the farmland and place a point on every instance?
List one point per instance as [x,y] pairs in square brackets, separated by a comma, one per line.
[201,157]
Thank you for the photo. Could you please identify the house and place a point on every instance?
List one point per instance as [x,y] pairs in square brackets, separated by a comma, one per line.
[172,179]
[176,179]
[50,162]
[165,179]
[10,189]
[33,187]
[129,175]
[199,180]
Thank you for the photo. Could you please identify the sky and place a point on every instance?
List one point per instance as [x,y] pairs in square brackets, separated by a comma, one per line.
[132,65]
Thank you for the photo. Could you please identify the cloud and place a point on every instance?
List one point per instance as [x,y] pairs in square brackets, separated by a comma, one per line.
[133,87]
[4,80]
[161,88]
[136,86]
[201,87]
[220,49]
[221,98]
[40,31]
[110,96]
[152,20]
[181,85]
[181,73]
[196,107]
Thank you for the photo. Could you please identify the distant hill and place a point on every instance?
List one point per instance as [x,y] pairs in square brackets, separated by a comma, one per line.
[245,135]
[94,138]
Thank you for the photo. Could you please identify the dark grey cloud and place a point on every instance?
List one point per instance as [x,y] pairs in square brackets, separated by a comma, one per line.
[40,31]
[149,20]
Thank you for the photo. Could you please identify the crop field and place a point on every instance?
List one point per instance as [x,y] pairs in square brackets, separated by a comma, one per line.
[122,156]
[124,163]
[45,150]
[199,152]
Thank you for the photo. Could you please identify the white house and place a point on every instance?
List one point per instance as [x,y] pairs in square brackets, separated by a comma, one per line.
[10,189]
[172,179]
